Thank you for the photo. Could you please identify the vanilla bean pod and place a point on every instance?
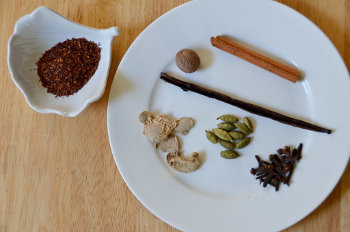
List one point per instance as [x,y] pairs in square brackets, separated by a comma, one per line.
[254,109]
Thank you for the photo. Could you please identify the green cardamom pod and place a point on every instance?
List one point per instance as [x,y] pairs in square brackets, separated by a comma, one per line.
[227,144]
[248,123]
[228,118]
[211,136]
[226,126]
[229,154]
[243,143]
[222,134]
[237,135]
[242,128]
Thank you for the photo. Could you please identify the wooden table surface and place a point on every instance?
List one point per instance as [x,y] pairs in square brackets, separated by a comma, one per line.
[58,174]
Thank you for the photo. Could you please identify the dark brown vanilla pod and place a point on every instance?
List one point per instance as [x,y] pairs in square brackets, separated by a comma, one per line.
[254,109]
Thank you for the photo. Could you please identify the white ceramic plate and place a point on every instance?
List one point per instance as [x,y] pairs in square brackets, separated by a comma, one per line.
[222,195]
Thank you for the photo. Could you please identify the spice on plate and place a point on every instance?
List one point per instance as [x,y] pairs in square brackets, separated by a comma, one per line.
[227,144]
[187,60]
[231,135]
[254,109]
[161,130]
[222,134]
[229,154]
[243,143]
[211,136]
[248,123]
[279,169]
[243,128]
[68,66]
[184,164]
[289,73]
[228,118]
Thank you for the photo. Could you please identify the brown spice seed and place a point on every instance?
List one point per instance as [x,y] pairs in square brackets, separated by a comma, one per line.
[187,60]
[68,66]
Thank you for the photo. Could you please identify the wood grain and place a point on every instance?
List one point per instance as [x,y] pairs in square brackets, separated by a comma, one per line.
[58,174]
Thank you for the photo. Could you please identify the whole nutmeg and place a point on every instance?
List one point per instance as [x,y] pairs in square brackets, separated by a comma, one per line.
[187,60]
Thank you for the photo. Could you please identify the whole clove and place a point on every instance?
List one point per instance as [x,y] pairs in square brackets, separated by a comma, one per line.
[279,168]
[254,109]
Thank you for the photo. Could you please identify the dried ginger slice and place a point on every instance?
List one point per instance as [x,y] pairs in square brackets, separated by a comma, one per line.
[158,128]
[171,144]
[146,117]
[184,164]
[184,125]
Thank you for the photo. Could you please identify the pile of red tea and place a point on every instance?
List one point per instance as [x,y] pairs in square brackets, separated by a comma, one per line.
[68,66]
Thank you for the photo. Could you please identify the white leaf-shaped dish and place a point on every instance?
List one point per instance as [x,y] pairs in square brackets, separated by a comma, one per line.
[38,32]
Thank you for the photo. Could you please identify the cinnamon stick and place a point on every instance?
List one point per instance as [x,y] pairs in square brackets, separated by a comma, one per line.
[253,57]
[254,109]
